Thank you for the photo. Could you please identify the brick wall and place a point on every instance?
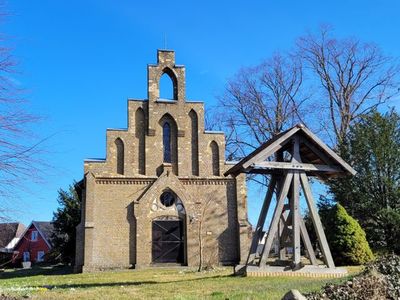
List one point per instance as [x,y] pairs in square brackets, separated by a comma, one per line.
[118,209]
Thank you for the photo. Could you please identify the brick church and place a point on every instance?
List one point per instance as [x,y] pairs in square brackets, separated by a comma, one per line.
[160,197]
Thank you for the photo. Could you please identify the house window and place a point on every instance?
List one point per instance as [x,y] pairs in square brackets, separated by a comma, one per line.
[167,142]
[40,256]
[26,256]
[34,236]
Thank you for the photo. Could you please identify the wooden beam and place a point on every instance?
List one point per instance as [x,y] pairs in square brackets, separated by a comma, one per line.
[307,242]
[316,221]
[281,141]
[294,166]
[295,218]
[264,171]
[329,151]
[261,221]
[316,151]
[287,219]
[281,226]
[270,149]
[282,219]
[294,203]
[284,188]
[296,150]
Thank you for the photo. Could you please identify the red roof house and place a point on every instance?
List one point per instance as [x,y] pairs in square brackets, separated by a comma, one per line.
[35,243]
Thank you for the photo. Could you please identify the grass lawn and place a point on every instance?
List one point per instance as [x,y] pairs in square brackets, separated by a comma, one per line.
[159,283]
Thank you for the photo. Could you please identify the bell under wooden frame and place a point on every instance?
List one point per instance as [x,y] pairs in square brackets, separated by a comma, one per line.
[290,158]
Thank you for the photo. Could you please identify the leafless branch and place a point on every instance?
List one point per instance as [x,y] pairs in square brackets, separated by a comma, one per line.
[261,101]
[19,149]
[354,77]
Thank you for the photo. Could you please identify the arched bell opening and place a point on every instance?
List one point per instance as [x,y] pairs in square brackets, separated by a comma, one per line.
[168,85]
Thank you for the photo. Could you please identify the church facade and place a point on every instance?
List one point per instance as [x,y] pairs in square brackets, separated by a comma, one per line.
[160,196]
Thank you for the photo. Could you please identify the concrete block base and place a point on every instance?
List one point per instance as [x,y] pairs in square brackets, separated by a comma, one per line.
[306,271]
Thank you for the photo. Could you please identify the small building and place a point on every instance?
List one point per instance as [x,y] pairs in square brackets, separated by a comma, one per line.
[260,246]
[160,195]
[34,243]
[10,234]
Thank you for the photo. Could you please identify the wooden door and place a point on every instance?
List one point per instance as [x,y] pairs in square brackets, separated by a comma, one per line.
[167,241]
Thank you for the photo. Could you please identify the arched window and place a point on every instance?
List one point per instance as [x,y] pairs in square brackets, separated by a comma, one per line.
[170,141]
[215,158]
[167,142]
[140,136]
[195,142]
[120,156]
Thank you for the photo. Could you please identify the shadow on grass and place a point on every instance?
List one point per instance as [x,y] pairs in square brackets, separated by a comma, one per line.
[94,285]
[36,270]
[125,283]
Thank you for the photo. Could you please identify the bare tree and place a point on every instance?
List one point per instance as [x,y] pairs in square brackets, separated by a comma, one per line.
[259,102]
[331,82]
[19,160]
[354,78]
[201,220]
[206,214]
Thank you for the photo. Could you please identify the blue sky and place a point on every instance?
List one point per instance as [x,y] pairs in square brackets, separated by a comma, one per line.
[81,60]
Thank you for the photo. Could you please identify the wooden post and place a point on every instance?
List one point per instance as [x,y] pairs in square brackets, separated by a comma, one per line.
[283,191]
[282,220]
[281,238]
[286,230]
[307,242]
[295,204]
[295,219]
[261,221]
[316,221]
[287,223]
